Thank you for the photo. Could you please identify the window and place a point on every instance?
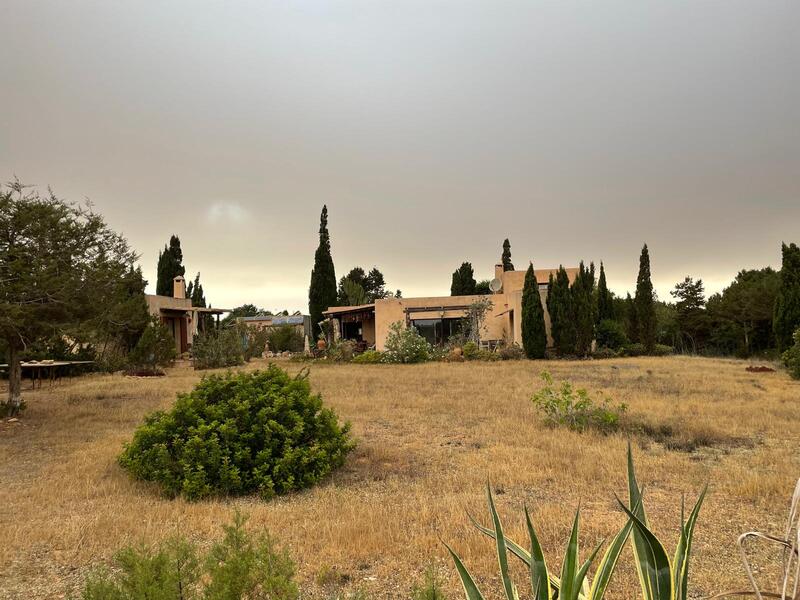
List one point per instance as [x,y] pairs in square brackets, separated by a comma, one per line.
[437,331]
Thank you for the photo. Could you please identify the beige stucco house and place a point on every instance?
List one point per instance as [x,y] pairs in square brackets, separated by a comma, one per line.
[178,314]
[437,318]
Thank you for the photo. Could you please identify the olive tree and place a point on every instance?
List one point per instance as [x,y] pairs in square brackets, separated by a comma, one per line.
[62,270]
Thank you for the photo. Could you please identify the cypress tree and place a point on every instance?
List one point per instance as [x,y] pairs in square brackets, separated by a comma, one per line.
[605,301]
[463,283]
[786,318]
[170,265]
[583,310]
[534,334]
[644,303]
[322,290]
[631,322]
[562,314]
[506,258]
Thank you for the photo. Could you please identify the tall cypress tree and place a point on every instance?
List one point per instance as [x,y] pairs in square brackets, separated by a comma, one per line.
[562,314]
[631,322]
[506,258]
[170,265]
[322,290]
[583,309]
[605,301]
[644,303]
[463,283]
[534,334]
[786,319]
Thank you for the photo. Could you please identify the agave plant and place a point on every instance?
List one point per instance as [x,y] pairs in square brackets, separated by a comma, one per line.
[660,578]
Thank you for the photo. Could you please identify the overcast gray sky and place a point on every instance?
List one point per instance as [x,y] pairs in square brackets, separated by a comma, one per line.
[432,130]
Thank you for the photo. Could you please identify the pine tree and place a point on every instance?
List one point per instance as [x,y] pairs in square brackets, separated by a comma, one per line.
[583,310]
[786,319]
[645,303]
[534,334]
[170,265]
[463,283]
[322,290]
[605,300]
[506,258]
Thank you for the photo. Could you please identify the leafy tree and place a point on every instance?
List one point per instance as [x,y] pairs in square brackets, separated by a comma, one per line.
[352,293]
[482,287]
[562,313]
[373,285]
[644,301]
[787,304]
[605,299]
[155,349]
[170,265]
[62,271]
[583,309]
[506,258]
[464,283]
[322,290]
[534,334]
[691,316]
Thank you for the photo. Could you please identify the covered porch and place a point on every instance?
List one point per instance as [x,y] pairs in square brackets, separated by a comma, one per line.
[354,323]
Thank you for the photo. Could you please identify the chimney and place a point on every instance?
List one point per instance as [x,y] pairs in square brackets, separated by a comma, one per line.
[179,287]
[498,271]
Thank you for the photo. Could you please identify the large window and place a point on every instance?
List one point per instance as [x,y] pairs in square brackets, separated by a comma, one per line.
[437,331]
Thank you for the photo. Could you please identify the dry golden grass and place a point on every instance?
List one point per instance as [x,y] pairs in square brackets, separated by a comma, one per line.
[429,436]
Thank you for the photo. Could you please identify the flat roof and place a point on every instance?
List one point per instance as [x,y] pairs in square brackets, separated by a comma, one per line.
[336,310]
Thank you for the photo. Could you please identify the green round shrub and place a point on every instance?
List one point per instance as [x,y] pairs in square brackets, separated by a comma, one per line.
[240,433]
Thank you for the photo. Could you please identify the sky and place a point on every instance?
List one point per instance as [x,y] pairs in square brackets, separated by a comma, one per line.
[431,129]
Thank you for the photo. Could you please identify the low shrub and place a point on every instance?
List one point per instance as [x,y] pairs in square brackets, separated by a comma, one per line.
[234,434]
[285,338]
[511,352]
[470,351]
[791,358]
[405,345]
[573,408]
[611,334]
[219,348]
[341,351]
[663,350]
[154,350]
[256,342]
[430,588]
[241,565]
[368,357]
[633,350]
[601,353]
[487,356]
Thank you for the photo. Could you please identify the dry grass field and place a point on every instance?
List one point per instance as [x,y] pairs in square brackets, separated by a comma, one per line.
[429,436]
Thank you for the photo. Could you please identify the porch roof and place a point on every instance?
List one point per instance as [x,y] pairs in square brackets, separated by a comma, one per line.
[335,311]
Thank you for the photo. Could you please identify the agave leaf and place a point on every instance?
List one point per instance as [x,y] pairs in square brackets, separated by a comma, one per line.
[580,577]
[516,550]
[640,545]
[540,579]
[656,571]
[502,553]
[684,549]
[609,562]
[570,588]
[471,590]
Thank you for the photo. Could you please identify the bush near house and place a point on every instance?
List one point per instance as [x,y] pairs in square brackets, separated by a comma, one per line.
[285,338]
[241,565]
[154,350]
[237,434]
[406,345]
[219,348]
[368,357]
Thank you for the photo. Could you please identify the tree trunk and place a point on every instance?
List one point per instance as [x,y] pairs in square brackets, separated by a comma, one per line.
[14,381]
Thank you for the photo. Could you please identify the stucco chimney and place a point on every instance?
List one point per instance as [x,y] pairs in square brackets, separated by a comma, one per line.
[179,287]
[498,271]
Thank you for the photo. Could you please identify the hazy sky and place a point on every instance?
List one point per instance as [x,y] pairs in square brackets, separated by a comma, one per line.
[432,130]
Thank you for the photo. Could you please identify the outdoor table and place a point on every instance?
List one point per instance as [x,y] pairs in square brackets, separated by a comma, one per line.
[48,368]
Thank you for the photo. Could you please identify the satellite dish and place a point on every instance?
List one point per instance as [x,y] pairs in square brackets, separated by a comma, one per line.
[496,285]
